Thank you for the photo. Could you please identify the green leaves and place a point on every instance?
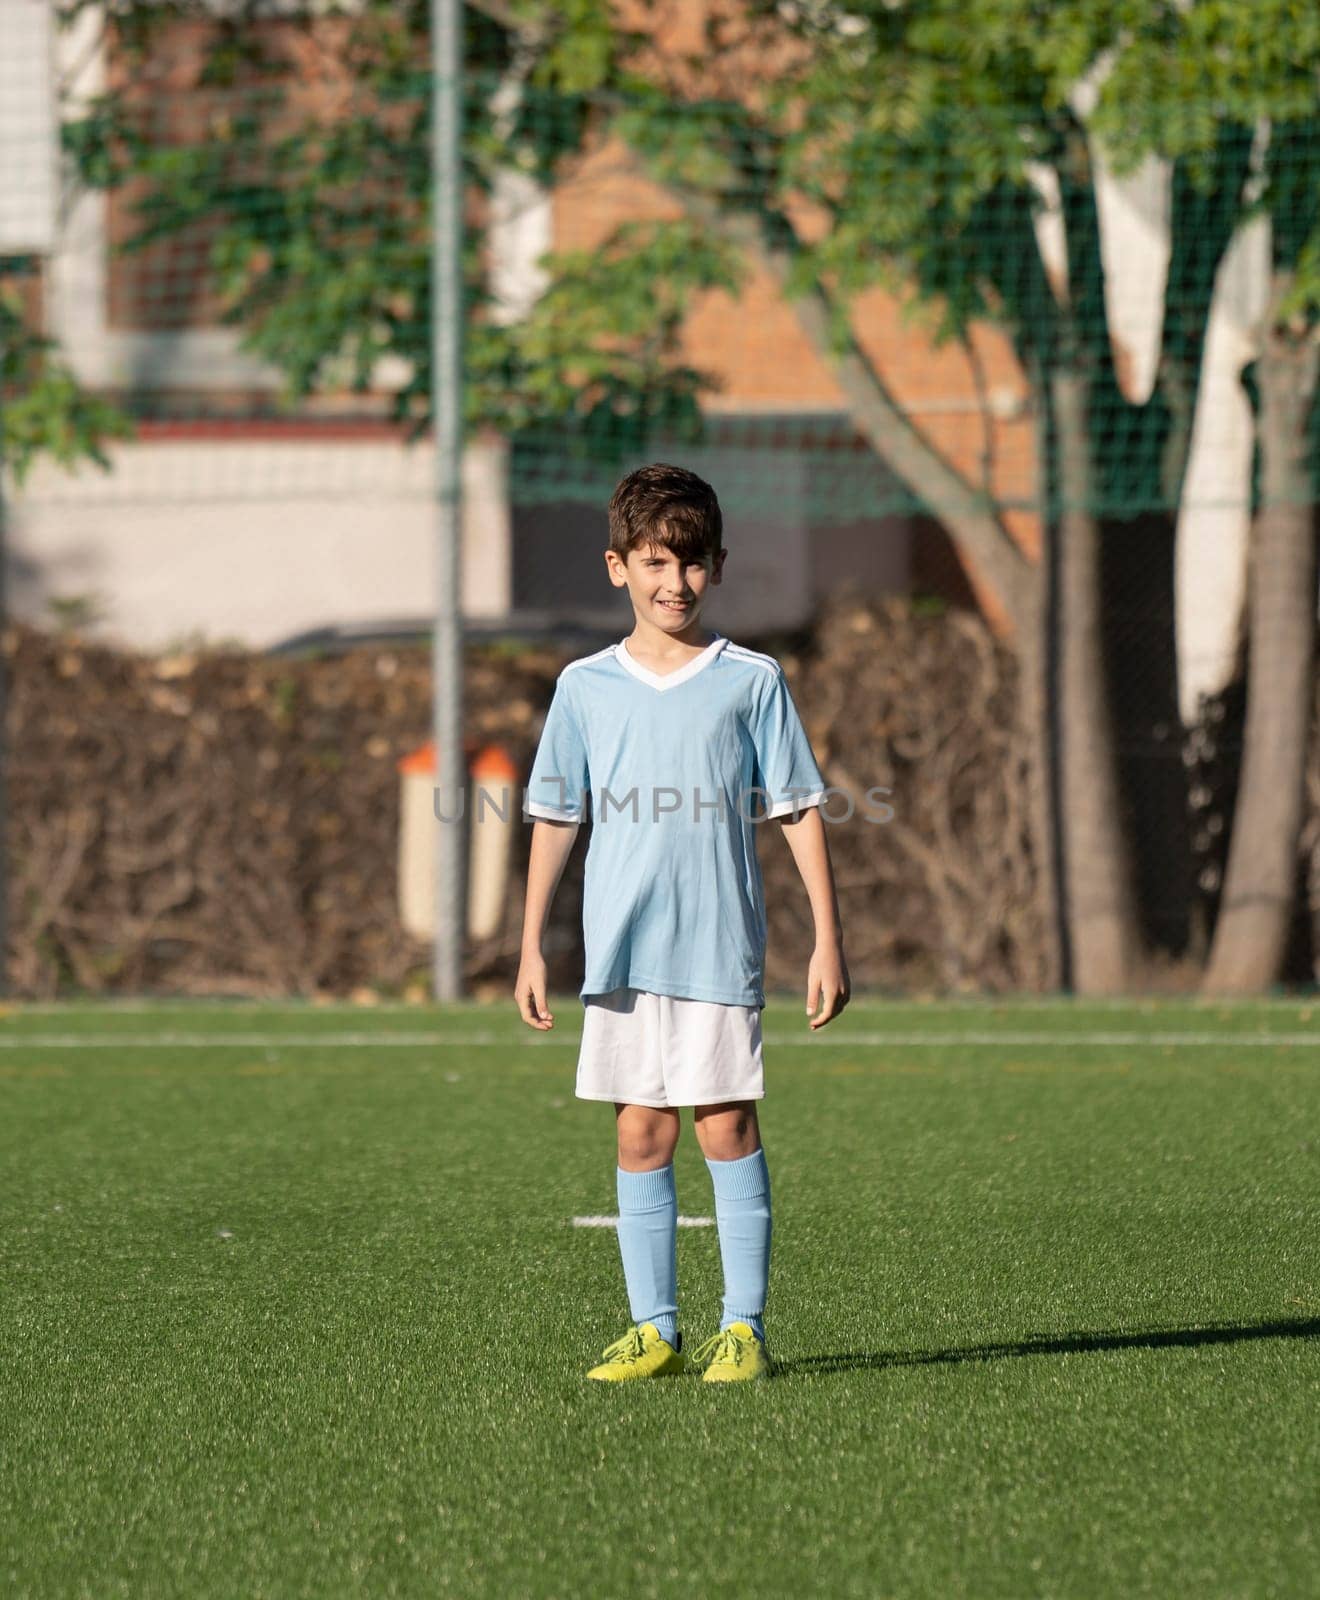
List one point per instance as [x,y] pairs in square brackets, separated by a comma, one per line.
[315,219]
[906,142]
[43,409]
[584,39]
[600,349]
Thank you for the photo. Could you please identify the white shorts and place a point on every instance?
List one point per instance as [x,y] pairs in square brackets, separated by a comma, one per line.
[647,1049]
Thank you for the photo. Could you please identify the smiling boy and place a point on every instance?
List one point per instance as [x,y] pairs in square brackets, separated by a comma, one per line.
[678,741]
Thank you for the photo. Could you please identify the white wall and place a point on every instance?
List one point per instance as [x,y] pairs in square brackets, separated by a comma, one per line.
[29,137]
[252,540]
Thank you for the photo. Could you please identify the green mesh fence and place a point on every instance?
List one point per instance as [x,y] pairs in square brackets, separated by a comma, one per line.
[840,258]
[840,253]
[914,285]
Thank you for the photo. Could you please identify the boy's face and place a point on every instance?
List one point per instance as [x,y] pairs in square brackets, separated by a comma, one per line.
[665,591]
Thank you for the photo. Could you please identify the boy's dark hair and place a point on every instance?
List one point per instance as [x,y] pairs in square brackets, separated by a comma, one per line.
[667,506]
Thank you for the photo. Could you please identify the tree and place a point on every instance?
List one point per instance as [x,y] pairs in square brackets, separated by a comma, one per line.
[923,144]
[44,411]
[1258,66]
[929,137]
[313,201]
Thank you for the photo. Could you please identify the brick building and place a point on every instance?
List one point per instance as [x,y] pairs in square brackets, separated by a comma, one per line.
[229,518]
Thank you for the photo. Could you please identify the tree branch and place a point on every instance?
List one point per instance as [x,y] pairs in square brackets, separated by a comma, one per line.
[967,512]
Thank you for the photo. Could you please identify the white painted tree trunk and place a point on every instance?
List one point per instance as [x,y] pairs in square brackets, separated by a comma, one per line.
[1251,934]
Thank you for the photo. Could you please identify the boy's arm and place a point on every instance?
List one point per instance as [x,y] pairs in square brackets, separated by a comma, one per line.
[827,976]
[551,844]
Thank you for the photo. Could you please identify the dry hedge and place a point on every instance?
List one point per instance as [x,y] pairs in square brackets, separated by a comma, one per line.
[943,895]
[227,824]
[220,824]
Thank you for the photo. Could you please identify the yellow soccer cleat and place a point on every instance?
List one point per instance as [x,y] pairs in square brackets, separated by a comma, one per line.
[734,1355]
[641,1353]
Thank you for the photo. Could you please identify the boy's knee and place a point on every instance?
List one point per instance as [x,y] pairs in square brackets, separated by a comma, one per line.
[647,1138]
[727,1133]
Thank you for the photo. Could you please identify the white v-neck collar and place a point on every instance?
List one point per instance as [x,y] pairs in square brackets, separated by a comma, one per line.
[668,680]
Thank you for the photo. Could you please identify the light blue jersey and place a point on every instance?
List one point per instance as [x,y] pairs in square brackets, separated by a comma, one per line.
[673,771]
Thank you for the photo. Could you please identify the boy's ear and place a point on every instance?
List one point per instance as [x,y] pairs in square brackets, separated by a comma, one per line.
[616,569]
[717,567]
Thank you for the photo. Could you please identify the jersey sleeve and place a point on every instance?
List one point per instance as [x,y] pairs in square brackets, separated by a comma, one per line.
[560,778]
[785,767]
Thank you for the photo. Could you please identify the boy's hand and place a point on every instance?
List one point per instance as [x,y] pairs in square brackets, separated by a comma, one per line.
[827,984]
[529,992]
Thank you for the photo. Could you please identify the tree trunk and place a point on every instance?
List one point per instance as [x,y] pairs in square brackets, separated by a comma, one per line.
[1085,873]
[1251,934]
[968,514]
[1034,717]
[1099,903]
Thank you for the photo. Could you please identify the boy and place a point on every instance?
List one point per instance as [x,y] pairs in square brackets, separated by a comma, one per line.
[680,737]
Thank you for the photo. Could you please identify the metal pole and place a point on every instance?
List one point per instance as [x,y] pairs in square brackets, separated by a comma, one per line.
[4,710]
[447,413]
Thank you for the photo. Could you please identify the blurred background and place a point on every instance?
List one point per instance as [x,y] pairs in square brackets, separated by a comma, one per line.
[994,325]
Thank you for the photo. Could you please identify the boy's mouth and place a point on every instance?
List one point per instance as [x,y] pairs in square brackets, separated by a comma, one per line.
[673,605]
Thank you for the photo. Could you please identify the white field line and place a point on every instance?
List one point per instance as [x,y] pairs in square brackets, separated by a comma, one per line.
[1053,1040]
[613,1222]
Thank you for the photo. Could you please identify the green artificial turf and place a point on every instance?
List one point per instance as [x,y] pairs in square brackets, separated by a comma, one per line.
[293,1306]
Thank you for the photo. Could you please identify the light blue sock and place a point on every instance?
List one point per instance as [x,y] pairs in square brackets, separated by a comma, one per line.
[742,1211]
[648,1243]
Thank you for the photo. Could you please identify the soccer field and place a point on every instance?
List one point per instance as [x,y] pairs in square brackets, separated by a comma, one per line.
[294,1305]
